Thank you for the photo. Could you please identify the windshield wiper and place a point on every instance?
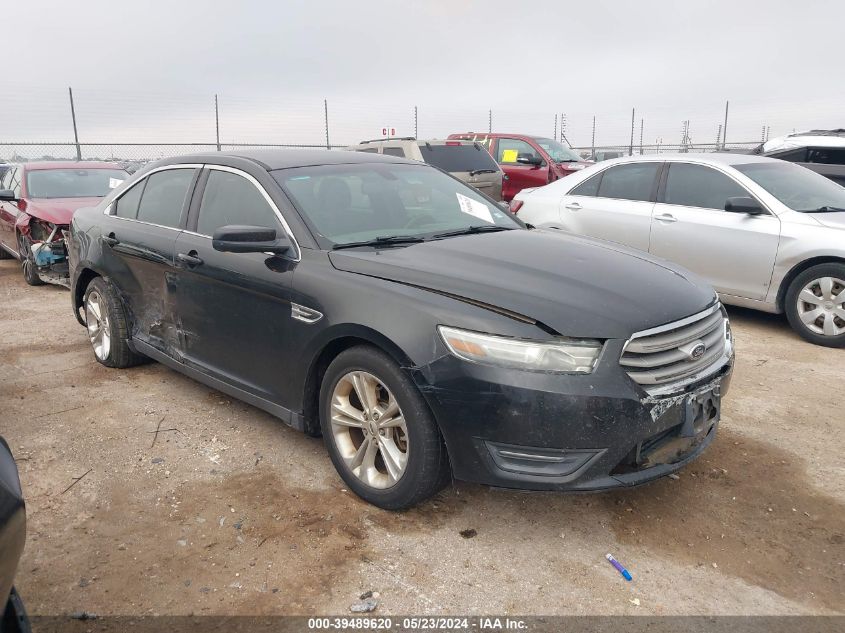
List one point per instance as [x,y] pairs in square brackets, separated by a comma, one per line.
[484,228]
[825,209]
[384,240]
[487,170]
[568,160]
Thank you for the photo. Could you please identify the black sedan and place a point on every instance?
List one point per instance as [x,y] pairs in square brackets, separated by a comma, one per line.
[13,617]
[410,320]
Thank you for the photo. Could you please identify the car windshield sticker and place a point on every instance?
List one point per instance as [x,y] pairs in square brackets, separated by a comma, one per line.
[475,208]
[114,182]
[509,156]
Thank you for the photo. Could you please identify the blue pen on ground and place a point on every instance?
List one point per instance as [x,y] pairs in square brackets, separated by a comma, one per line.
[625,573]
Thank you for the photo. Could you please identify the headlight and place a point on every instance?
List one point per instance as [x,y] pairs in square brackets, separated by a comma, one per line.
[563,355]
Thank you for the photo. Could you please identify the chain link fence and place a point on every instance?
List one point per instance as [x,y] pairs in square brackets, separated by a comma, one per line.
[606,152]
[141,153]
[124,152]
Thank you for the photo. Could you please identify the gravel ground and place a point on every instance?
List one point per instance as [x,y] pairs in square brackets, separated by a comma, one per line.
[227,511]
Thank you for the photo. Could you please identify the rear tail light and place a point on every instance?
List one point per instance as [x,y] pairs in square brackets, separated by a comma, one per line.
[515,206]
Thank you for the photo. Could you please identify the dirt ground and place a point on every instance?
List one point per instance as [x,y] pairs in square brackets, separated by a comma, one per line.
[227,511]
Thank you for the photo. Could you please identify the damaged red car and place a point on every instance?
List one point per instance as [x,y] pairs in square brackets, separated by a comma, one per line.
[37,202]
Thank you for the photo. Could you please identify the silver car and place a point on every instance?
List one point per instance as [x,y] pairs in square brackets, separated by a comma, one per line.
[767,234]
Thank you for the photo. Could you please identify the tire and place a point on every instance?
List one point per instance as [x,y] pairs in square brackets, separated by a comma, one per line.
[30,270]
[108,326]
[410,434]
[818,292]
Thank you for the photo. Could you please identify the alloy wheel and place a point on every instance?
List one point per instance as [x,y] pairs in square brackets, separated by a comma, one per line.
[821,306]
[369,430]
[97,321]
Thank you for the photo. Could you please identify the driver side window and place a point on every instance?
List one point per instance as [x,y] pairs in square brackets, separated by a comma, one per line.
[232,199]
[509,149]
[699,186]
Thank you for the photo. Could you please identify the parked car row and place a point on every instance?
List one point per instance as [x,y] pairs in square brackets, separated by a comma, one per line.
[428,332]
[765,233]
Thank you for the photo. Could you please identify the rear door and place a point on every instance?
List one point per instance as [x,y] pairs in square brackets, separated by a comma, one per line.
[735,252]
[470,162]
[615,204]
[235,308]
[520,176]
[138,243]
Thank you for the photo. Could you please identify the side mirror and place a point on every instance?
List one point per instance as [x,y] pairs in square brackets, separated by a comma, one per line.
[529,159]
[7,195]
[744,204]
[249,239]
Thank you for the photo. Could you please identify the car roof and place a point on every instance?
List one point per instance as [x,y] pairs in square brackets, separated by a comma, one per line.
[272,159]
[813,138]
[68,164]
[713,158]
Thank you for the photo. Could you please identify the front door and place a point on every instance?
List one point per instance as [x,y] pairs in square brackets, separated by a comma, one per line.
[235,308]
[520,176]
[735,252]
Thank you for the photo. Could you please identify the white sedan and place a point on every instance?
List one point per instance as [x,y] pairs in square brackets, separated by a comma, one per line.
[765,233]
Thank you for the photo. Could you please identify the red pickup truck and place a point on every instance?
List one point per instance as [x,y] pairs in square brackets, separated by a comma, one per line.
[528,161]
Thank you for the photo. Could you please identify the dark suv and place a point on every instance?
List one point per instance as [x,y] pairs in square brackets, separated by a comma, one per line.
[822,151]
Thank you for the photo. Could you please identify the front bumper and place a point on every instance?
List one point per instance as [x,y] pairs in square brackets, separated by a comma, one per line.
[543,431]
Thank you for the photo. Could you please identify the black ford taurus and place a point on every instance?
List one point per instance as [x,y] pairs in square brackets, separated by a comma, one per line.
[413,322]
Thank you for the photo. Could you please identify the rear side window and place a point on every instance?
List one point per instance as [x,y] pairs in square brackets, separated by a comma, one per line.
[509,149]
[826,155]
[164,196]
[699,186]
[629,182]
[457,158]
[792,155]
[127,205]
[232,199]
[589,187]
[394,151]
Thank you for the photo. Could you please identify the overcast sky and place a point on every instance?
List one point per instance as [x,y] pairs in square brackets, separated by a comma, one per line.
[147,71]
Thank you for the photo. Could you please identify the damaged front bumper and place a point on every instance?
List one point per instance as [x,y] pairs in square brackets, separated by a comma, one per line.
[542,431]
[47,251]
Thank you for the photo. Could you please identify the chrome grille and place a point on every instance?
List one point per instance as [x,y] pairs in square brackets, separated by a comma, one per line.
[667,355]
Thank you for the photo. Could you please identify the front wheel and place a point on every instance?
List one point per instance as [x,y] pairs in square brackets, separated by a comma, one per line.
[30,269]
[379,431]
[815,304]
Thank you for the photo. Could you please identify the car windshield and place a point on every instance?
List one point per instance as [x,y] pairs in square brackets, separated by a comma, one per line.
[345,204]
[73,183]
[797,187]
[558,152]
[458,157]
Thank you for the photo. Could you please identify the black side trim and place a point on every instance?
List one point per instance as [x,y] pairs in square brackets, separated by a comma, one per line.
[291,418]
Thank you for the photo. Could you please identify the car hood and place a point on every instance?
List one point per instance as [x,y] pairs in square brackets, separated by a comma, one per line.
[575,285]
[58,210]
[830,220]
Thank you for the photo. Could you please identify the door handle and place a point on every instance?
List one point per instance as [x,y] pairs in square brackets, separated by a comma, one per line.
[190,259]
[666,217]
[111,240]
[574,206]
